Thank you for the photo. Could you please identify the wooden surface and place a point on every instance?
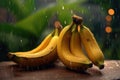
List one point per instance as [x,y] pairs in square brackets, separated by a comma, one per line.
[10,71]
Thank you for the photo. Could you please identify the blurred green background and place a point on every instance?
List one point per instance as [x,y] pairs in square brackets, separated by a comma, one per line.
[24,23]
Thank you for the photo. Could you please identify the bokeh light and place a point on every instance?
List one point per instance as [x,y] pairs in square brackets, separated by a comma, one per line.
[111,12]
[108,18]
[108,29]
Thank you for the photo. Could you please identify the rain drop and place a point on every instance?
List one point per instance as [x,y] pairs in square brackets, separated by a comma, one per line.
[34,8]
[21,41]
[71,11]
[63,7]
[65,22]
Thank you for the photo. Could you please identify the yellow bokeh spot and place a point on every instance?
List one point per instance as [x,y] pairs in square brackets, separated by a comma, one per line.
[111,12]
[108,29]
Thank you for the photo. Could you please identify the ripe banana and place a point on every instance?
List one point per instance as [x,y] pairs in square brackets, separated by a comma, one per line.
[91,46]
[63,48]
[44,43]
[40,58]
[41,46]
[75,45]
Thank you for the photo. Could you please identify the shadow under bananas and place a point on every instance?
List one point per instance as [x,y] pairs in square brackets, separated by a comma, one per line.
[20,68]
[57,68]
[88,72]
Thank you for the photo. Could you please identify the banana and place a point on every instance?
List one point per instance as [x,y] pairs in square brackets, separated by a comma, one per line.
[75,45]
[44,43]
[90,44]
[63,49]
[41,46]
[40,58]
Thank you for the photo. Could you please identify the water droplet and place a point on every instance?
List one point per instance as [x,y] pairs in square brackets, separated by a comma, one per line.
[34,8]
[21,41]
[65,22]
[71,11]
[63,7]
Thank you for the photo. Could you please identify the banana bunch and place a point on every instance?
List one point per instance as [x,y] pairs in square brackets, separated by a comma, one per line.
[90,44]
[69,50]
[44,54]
[76,47]
[74,41]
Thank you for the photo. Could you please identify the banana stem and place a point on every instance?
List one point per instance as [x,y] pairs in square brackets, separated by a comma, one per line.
[77,20]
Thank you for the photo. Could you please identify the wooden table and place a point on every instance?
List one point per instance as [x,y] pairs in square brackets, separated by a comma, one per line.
[10,71]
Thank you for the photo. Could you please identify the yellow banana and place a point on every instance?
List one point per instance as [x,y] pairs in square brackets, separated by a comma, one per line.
[89,43]
[91,46]
[41,46]
[44,43]
[63,48]
[40,58]
[76,47]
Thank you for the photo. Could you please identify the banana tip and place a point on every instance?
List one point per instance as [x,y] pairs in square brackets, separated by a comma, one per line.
[101,66]
[10,56]
[90,65]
